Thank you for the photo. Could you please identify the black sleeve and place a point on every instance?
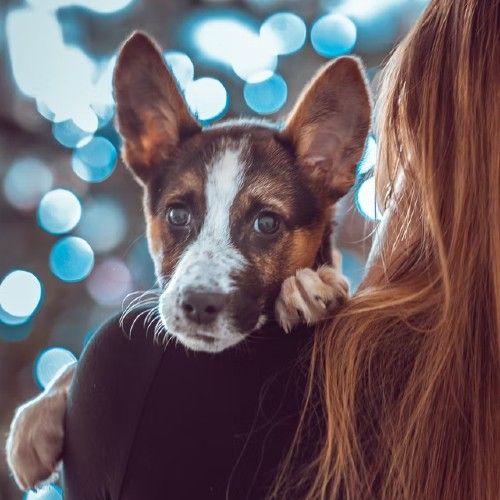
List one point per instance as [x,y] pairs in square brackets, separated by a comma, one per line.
[152,421]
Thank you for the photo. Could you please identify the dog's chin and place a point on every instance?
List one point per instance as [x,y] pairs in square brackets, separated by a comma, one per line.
[205,342]
[217,337]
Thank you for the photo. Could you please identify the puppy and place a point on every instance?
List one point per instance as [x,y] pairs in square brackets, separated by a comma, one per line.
[237,214]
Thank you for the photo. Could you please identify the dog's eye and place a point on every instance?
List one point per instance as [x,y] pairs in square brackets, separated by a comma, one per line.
[267,223]
[179,216]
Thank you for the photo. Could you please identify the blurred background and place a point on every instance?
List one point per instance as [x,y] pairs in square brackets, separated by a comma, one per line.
[72,244]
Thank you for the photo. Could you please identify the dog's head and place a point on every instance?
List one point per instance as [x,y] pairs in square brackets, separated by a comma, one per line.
[234,209]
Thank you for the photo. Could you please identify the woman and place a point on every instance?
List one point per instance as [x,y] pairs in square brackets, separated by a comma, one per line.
[408,373]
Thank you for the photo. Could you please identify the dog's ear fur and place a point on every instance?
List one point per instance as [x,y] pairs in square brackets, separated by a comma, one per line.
[329,125]
[152,115]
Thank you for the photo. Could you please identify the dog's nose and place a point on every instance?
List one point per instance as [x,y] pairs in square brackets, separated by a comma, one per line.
[202,307]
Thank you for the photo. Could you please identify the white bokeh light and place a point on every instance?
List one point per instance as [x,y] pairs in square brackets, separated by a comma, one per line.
[181,66]
[207,98]
[233,42]
[369,158]
[50,362]
[20,293]
[59,211]
[99,6]
[283,33]
[366,200]
[63,79]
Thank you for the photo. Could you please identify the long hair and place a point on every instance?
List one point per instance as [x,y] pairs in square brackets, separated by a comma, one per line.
[406,377]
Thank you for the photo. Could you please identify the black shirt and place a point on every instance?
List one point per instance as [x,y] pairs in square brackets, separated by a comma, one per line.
[151,421]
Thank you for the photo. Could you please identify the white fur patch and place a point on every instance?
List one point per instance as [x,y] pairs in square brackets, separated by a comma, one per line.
[208,263]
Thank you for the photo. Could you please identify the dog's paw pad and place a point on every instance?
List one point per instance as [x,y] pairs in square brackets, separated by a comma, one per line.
[310,296]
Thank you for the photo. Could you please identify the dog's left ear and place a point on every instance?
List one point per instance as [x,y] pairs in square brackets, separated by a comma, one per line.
[329,125]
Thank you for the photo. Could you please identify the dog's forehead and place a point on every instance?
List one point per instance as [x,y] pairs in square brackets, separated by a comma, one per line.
[257,148]
[253,154]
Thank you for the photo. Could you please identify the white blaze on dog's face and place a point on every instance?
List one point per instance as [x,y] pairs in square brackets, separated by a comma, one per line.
[233,209]
[203,276]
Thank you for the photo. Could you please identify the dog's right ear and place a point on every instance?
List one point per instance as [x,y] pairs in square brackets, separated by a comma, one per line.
[329,125]
[152,115]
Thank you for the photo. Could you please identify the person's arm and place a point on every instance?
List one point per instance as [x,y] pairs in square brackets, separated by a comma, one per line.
[35,440]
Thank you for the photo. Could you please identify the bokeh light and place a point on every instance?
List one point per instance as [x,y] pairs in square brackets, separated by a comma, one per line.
[71,259]
[100,6]
[377,22]
[353,267]
[236,43]
[369,158]
[181,66]
[103,224]
[207,98]
[69,134]
[109,282]
[283,33]
[59,76]
[26,181]
[49,362]
[20,294]
[14,329]
[266,97]
[333,35]
[49,492]
[366,200]
[59,211]
[95,161]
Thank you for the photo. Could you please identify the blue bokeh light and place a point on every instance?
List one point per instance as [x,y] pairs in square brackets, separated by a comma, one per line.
[181,66]
[266,97]
[333,35]
[20,295]
[26,181]
[95,161]
[353,267]
[71,259]
[49,362]
[69,134]
[366,200]
[59,211]
[103,224]
[207,98]
[283,33]
[14,329]
[49,492]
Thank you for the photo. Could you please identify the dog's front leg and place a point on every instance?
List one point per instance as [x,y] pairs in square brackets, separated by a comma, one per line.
[311,295]
[36,437]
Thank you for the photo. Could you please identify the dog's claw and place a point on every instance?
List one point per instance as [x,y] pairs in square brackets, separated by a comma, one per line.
[310,296]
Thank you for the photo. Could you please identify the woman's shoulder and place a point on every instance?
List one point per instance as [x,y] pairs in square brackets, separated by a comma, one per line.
[142,403]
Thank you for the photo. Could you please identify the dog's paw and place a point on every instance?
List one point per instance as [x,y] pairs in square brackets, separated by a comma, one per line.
[35,442]
[310,296]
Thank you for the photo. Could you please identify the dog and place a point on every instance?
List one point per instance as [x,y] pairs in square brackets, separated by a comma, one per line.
[238,214]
